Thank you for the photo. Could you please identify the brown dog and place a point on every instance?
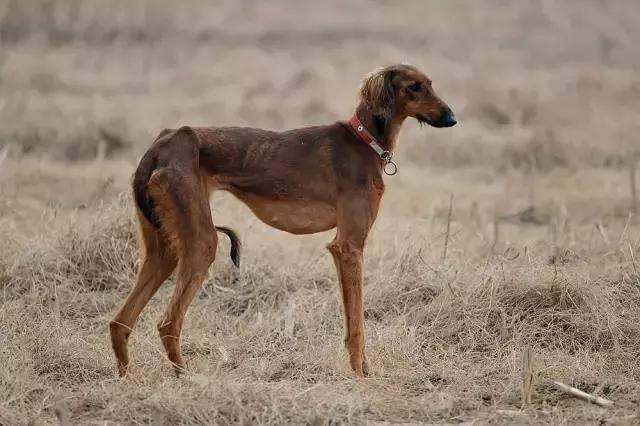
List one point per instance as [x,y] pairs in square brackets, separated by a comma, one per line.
[300,181]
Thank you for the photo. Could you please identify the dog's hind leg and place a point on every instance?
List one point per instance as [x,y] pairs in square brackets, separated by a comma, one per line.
[195,239]
[157,263]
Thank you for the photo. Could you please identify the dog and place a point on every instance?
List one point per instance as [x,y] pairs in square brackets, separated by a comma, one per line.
[300,181]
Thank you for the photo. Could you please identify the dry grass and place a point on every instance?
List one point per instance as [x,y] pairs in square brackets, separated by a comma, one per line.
[264,343]
[85,84]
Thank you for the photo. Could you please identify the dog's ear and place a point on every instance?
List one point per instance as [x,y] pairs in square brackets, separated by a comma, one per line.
[377,92]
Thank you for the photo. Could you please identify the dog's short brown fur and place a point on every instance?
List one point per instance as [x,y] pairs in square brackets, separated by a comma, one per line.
[300,181]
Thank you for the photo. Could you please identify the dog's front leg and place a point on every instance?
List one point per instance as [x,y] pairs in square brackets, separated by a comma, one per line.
[357,210]
[347,256]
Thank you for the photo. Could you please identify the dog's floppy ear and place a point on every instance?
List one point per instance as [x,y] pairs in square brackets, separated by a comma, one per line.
[377,92]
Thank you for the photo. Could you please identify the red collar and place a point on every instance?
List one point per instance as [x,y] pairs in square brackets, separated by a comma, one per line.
[368,138]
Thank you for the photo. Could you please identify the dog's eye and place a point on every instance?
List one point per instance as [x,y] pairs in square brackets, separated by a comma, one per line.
[415,87]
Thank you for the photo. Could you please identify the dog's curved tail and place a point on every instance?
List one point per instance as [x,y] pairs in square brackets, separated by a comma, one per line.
[145,203]
[143,173]
[236,245]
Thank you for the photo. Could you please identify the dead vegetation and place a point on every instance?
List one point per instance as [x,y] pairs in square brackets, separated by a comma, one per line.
[263,343]
[535,253]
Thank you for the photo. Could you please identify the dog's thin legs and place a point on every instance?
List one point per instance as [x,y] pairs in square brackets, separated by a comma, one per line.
[347,257]
[356,214]
[192,270]
[156,266]
[196,243]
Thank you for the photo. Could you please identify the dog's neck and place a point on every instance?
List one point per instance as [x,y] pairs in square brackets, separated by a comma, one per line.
[384,129]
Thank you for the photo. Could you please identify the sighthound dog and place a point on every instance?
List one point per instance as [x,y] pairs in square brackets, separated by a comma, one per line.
[301,181]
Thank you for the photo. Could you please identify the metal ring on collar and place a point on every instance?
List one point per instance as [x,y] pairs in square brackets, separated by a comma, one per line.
[390,168]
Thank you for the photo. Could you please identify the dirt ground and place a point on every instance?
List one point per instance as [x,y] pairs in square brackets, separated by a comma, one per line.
[542,253]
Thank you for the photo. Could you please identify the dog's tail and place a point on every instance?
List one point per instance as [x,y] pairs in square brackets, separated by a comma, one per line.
[236,245]
[148,164]
[143,173]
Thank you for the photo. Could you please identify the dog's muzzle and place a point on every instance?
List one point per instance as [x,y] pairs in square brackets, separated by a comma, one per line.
[447,119]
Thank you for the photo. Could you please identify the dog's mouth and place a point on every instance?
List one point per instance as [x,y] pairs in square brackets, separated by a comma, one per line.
[423,120]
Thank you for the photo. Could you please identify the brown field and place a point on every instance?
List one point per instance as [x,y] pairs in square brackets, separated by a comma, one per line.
[543,248]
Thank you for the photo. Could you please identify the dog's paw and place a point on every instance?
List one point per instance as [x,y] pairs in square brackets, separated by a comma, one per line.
[366,372]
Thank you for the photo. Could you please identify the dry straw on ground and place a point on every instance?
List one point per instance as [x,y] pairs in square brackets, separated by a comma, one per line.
[263,343]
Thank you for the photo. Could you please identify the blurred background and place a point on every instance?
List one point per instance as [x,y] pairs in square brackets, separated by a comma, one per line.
[556,81]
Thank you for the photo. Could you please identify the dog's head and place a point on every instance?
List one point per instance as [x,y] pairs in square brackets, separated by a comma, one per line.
[405,91]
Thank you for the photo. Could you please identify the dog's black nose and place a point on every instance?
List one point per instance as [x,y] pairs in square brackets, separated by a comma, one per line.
[447,119]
